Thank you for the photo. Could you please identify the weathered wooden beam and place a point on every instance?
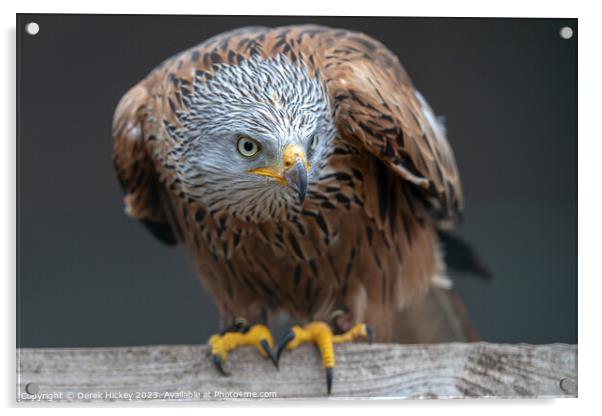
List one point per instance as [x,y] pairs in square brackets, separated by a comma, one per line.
[365,371]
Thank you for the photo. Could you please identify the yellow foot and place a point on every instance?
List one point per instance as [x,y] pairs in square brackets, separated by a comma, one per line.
[320,334]
[258,336]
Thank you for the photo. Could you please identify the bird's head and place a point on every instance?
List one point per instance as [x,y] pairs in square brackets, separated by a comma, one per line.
[254,138]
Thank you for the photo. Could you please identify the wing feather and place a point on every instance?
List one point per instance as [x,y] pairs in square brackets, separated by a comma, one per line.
[143,196]
[377,105]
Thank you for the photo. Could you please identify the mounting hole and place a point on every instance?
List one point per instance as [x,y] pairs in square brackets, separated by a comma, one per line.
[32,388]
[32,28]
[568,385]
[566,32]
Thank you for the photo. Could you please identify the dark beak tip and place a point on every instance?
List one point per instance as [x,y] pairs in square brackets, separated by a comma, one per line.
[297,179]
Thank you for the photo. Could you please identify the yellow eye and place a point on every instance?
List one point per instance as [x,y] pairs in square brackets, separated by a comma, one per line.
[314,142]
[247,146]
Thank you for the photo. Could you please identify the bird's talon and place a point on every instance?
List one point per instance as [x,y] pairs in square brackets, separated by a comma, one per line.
[321,335]
[329,376]
[269,352]
[218,364]
[370,334]
[286,339]
[258,336]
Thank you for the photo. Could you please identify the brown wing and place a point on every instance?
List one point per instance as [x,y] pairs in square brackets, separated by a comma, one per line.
[144,199]
[377,105]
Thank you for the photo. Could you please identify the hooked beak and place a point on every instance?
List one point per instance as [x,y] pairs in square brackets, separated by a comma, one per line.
[296,177]
[292,172]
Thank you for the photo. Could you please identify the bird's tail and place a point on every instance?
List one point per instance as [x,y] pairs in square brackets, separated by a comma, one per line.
[440,316]
[462,256]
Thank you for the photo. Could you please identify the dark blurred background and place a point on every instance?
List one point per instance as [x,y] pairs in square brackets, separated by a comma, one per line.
[90,276]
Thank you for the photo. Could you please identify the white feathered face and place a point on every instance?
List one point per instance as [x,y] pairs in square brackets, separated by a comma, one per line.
[255,137]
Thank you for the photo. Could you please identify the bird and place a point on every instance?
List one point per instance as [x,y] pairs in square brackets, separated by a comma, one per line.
[305,174]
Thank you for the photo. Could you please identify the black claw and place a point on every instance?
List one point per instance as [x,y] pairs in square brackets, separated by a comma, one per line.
[266,347]
[370,333]
[286,339]
[329,372]
[218,364]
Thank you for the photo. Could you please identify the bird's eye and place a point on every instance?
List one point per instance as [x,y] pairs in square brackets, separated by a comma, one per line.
[314,142]
[247,146]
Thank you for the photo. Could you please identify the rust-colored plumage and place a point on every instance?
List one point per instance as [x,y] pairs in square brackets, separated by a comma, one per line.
[365,238]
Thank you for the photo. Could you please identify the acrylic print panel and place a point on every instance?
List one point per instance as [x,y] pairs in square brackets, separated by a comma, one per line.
[266,202]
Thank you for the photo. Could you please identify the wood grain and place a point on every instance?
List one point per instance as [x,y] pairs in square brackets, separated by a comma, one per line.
[362,371]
